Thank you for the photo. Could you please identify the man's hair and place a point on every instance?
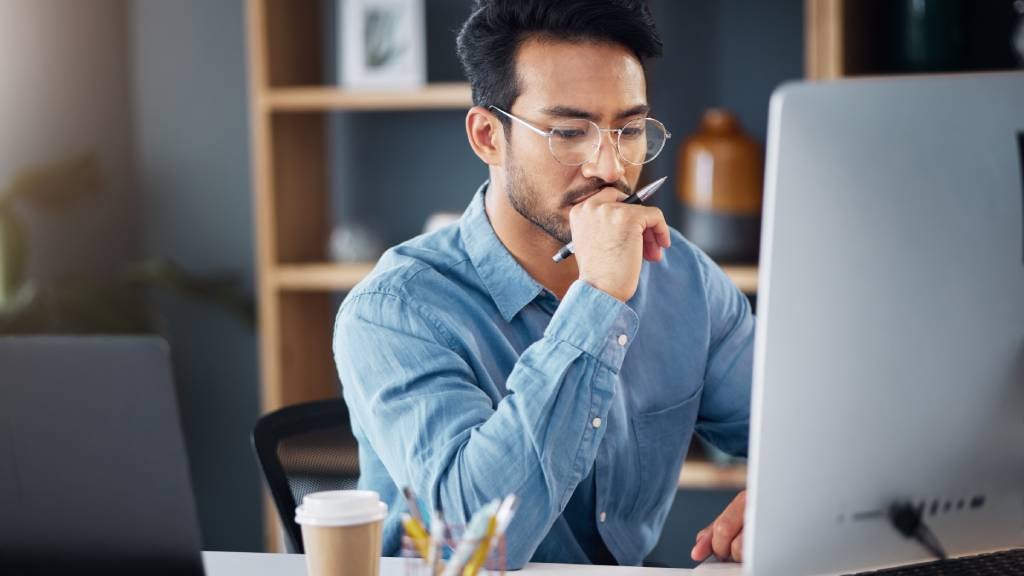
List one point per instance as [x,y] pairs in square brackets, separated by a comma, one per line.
[490,38]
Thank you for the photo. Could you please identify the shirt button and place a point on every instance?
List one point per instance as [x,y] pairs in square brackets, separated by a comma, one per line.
[623,339]
[603,516]
[596,422]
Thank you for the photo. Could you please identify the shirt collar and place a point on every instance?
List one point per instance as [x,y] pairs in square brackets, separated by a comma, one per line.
[509,285]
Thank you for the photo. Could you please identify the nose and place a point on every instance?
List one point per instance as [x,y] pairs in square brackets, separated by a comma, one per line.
[606,165]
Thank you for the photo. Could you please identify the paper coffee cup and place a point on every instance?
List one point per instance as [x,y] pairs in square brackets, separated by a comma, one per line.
[341,532]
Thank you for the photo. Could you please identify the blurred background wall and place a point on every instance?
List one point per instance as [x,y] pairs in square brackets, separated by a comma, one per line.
[66,96]
[191,115]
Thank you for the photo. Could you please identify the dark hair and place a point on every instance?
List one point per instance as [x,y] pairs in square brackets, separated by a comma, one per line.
[489,39]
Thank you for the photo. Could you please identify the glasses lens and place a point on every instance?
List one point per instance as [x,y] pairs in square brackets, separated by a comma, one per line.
[573,142]
[642,140]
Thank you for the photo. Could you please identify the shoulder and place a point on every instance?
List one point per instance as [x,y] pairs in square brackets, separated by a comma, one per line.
[412,274]
[688,263]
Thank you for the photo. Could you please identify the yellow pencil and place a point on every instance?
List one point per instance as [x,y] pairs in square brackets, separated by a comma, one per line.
[480,556]
[418,535]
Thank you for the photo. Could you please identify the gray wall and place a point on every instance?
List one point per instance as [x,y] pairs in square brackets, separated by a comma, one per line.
[439,172]
[725,53]
[193,164]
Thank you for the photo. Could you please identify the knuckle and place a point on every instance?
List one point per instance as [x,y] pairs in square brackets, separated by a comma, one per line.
[723,528]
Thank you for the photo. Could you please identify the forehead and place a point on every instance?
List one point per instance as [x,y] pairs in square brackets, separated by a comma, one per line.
[601,78]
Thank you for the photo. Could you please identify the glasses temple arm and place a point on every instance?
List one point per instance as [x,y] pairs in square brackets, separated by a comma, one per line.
[521,121]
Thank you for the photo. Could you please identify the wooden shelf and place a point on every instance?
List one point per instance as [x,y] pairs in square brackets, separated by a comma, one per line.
[704,475]
[325,277]
[328,277]
[743,276]
[438,96]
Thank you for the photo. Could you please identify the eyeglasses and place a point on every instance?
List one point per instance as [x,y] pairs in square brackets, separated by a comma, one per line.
[576,141]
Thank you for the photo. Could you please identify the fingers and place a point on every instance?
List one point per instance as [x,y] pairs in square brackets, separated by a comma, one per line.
[654,220]
[702,549]
[652,251]
[724,536]
[723,533]
[737,547]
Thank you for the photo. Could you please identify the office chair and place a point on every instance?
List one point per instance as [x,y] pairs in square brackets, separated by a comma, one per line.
[303,449]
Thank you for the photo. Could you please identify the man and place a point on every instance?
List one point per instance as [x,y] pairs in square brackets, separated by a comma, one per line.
[475,366]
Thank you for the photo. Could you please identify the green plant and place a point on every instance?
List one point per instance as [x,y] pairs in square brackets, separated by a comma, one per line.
[50,187]
[114,303]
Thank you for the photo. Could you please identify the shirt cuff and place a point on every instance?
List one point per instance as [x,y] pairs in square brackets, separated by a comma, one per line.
[596,323]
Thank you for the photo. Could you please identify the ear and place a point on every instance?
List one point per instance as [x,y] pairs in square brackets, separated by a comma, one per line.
[486,136]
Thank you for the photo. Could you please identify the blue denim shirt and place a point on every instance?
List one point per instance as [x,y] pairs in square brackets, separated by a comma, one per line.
[467,380]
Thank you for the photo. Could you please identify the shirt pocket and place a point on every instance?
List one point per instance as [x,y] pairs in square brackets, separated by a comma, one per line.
[662,439]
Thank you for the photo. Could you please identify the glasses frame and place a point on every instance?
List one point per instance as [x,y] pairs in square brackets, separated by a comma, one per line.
[601,131]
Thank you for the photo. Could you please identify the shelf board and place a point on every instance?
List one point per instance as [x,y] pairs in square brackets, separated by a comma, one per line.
[704,475]
[327,277]
[743,276]
[438,96]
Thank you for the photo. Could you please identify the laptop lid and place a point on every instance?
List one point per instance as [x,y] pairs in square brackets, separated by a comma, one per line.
[93,472]
[889,357]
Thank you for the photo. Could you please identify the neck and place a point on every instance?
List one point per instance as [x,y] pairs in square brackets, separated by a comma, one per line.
[529,245]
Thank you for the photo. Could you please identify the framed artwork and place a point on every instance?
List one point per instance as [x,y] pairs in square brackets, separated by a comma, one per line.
[383,44]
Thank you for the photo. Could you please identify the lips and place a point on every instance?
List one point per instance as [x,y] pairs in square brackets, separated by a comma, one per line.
[582,198]
[592,192]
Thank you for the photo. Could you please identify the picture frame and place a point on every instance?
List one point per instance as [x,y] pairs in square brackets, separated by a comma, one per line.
[382,44]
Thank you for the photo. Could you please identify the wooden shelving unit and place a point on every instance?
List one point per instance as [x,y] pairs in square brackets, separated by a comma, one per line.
[325,99]
[704,475]
[289,106]
[332,277]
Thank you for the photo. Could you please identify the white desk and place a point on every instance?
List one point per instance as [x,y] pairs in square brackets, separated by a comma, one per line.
[243,563]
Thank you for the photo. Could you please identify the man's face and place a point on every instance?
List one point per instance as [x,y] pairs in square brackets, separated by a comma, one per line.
[603,83]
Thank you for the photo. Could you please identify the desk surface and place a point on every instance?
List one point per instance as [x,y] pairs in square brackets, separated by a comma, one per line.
[243,563]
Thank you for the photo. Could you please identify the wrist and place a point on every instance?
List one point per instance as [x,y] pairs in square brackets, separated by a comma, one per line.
[607,287]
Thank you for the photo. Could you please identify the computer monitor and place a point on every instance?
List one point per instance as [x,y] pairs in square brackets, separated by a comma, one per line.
[93,473]
[889,355]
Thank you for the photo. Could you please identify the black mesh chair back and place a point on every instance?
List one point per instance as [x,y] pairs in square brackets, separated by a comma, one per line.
[303,449]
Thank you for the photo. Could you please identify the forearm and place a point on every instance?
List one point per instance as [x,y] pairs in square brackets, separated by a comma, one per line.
[436,430]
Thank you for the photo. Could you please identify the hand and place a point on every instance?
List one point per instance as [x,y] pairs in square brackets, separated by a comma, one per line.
[613,239]
[724,536]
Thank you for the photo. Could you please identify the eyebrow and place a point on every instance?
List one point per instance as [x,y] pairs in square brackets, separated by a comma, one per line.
[570,112]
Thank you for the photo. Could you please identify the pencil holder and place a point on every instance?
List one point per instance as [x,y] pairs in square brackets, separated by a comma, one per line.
[416,565]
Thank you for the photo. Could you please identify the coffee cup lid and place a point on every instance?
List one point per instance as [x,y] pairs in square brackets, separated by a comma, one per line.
[340,508]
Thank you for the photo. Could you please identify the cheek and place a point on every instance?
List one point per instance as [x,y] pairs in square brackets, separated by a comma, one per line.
[633,175]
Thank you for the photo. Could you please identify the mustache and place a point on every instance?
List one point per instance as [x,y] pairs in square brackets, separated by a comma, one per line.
[591,188]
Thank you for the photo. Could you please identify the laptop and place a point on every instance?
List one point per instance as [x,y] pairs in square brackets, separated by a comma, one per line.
[93,473]
[889,356]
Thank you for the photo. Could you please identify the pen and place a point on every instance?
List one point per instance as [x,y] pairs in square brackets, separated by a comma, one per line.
[413,523]
[495,531]
[483,548]
[413,504]
[637,197]
[475,531]
[437,530]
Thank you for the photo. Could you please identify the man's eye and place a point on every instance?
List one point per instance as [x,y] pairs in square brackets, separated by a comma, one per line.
[631,132]
[568,133]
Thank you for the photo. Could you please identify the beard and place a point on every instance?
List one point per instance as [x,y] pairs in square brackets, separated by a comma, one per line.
[526,200]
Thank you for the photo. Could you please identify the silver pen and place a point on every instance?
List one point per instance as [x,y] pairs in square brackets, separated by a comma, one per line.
[637,197]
